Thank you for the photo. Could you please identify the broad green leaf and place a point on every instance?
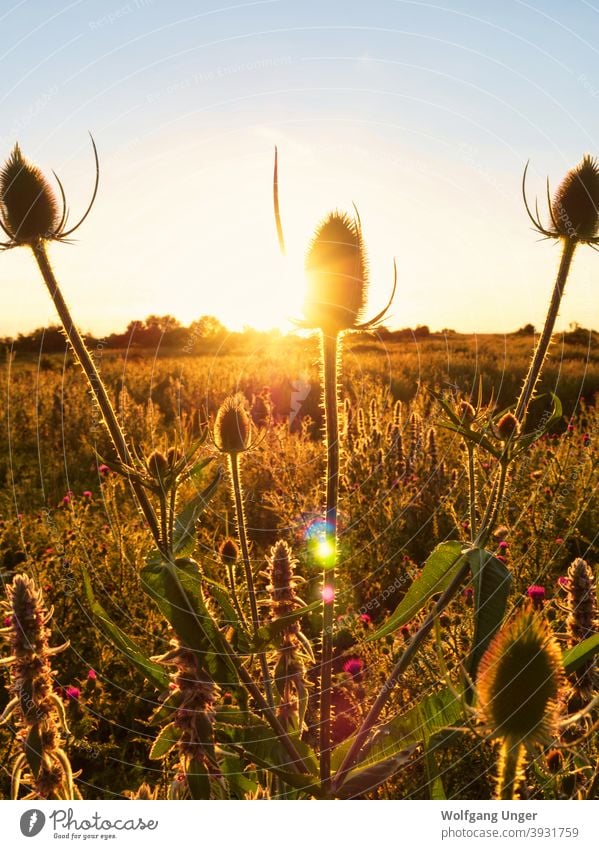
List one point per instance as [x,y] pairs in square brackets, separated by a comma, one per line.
[366,779]
[525,441]
[438,571]
[425,719]
[259,741]
[269,633]
[154,672]
[492,582]
[198,779]
[177,590]
[433,776]
[33,750]
[168,737]
[574,658]
[184,532]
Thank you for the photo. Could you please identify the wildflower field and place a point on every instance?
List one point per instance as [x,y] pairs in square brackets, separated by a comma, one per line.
[344,564]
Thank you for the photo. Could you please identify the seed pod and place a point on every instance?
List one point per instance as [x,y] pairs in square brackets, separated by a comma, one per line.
[28,202]
[336,269]
[519,681]
[466,411]
[582,624]
[575,207]
[229,552]
[508,426]
[158,465]
[232,426]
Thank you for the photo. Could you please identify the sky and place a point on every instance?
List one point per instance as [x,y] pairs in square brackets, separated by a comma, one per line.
[421,114]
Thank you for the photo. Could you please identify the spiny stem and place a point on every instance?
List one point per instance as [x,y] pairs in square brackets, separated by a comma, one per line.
[540,353]
[245,556]
[511,763]
[396,674]
[472,489]
[331,412]
[95,383]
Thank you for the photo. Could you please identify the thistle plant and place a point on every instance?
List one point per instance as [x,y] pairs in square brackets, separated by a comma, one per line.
[582,623]
[290,673]
[36,711]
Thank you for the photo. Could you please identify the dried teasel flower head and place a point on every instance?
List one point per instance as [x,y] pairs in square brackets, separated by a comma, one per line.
[508,426]
[519,682]
[29,204]
[29,207]
[229,552]
[337,274]
[574,210]
[232,428]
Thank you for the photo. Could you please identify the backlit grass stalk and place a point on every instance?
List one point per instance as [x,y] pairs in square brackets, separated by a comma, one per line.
[330,353]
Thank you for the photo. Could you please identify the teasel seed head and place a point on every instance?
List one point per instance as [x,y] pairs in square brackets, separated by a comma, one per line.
[229,552]
[29,205]
[466,412]
[575,207]
[158,466]
[232,428]
[337,272]
[508,426]
[519,682]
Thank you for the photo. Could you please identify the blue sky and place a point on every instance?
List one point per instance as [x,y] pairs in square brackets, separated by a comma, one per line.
[423,114]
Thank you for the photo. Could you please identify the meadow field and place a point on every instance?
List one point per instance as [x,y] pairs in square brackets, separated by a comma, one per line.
[68,521]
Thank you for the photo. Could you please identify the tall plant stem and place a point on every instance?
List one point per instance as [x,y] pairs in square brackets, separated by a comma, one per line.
[397,672]
[96,384]
[540,353]
[331,413]
[511,763]
[472,489]
[245,556]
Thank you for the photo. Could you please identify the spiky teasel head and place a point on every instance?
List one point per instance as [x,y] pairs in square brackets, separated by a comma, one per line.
[36,710]
[337,273]
[143,793]
[232,428]
[229,552]
[574,210]
[508,427]
[519,682]
[29,205]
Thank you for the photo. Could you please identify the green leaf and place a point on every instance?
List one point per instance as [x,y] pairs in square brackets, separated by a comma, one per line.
[198,779]
[168,737]
[269,633]
[177,590]
[365,780]
[420,722]
[433,776]
[33,750]
[527,439]
[184,532]
[575,657]
[438,571]
[154,672]
[492,582]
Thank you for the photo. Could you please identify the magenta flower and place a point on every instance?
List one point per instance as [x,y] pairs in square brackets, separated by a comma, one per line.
[104,469]
[536,594]
[365,618]
[564,582]
[87,494]
[7,621]
[72,693]
[353,666]
[503,545]
[559,541]
[92,675]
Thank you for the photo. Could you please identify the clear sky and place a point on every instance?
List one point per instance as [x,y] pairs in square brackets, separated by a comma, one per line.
[422,114]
